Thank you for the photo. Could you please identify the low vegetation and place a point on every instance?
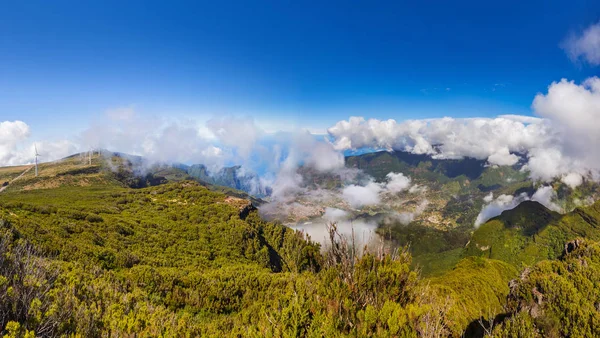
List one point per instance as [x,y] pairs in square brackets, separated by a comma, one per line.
[173,258]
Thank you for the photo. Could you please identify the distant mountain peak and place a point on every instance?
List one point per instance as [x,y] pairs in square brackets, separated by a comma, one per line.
[531,216]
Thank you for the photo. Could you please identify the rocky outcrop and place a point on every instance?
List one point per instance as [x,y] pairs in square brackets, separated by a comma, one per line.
[571,246]
[245,206]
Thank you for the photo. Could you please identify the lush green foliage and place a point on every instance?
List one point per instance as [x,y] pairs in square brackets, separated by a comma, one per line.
[531,233]
[181,260]
[83,253]
[557,298]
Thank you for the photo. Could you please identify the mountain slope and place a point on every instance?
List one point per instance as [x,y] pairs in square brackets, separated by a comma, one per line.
[179,259]
[82,252]
[106,168]
[556,298]
[530,233]
[121,255]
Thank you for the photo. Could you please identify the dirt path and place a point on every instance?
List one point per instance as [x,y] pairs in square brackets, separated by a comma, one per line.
[16,178]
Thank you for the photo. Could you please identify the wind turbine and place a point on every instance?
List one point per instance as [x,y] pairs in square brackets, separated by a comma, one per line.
[36,159]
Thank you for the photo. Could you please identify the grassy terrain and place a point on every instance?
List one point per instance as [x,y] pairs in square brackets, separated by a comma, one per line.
[180,259]
[475,288]
[110,250]
[556,298]
[7,174]
[531,233]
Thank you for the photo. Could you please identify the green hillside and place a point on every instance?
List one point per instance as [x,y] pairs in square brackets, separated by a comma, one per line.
[556,298]
[530,233]
[91,251]
[108,249]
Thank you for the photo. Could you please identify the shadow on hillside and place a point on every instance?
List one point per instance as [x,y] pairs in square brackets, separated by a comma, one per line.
[476,328]
[470,167]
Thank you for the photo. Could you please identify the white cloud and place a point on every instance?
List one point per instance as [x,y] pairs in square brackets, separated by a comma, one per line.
[362,231]
[17,147]
[488,198]
[443,138]
[317,153]
[397,182]
[335,215]
[573,111]
[544,195]
[238,133]
[495,207]
[503,157]
[546,163]
[556,143]
[521,118]
[359,196]
[584,46]
[573,180]
[12,133]
[370,193]
[154,138]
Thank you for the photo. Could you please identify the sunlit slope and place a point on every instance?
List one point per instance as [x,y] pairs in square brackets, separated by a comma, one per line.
[556,298]
[175,259]
[77,170]
[530,233]
[120,227]
[104,169]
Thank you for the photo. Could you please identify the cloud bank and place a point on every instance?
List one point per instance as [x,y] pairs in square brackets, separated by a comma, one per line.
[554,144]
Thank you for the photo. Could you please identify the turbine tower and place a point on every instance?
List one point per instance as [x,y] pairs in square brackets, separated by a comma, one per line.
[36,159]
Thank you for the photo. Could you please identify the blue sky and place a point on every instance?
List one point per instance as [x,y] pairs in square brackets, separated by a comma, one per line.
[63,63]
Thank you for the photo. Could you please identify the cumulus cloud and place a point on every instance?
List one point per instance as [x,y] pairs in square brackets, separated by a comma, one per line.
[268,161]
[323,157]
[445,138]
[503,157]
[545,195]
[359,196]
[573,180]
[584,46]
[574,111]
[314,152]
[17,147]
[370,193]
[12,133]
[397,182]
[552,145]
[288,154]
